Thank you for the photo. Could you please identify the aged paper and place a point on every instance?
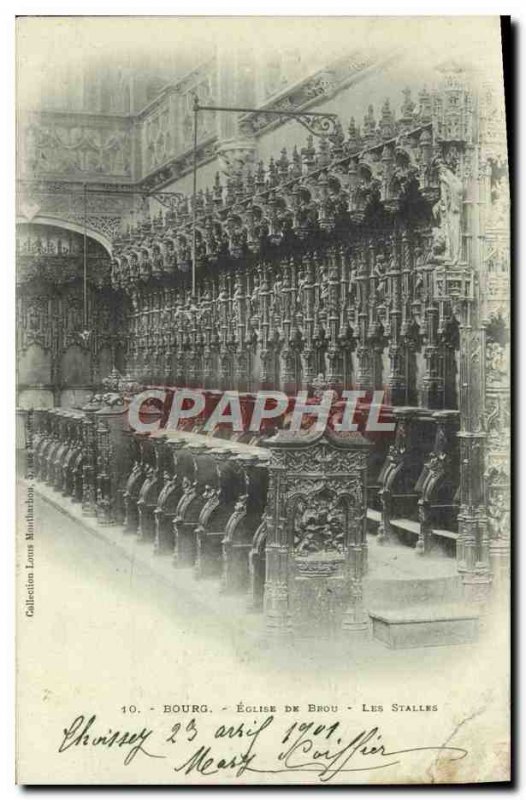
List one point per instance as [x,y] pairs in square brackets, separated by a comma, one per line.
[263,328]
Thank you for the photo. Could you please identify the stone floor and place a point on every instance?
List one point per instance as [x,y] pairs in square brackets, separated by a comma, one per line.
[87,547]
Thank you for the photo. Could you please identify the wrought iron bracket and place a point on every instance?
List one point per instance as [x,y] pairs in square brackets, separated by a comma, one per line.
[318,123]
[166,199]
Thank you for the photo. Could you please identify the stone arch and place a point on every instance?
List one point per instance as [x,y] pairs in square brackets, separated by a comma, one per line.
[58,222]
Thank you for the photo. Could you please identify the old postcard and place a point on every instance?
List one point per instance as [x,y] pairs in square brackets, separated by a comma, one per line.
[263,384]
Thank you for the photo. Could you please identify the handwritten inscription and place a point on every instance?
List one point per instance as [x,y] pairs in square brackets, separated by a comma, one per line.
[262,747]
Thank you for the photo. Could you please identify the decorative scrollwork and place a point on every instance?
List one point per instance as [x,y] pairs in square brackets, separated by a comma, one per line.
[327,125]
[169,200]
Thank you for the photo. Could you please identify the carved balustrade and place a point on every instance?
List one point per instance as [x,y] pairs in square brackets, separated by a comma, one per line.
[323,262]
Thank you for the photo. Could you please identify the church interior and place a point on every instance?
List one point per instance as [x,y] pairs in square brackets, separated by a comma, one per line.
[242,216]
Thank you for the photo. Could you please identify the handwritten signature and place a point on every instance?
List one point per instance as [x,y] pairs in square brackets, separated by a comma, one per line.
[303,747]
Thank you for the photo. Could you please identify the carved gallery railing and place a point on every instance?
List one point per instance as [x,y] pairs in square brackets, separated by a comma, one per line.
[327,262]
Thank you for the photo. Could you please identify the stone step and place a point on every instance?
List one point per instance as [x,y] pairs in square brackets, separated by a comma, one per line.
[403,592]
[425,626]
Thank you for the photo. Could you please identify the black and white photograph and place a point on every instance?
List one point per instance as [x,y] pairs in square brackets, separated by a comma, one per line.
[263,382]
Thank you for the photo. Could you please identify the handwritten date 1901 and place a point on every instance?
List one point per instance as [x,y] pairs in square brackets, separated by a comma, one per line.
[323,750]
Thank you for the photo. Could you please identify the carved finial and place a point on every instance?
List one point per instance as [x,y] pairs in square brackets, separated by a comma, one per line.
[170,216]
[158,219]
[146,222]
[353,141]
[369,126]
[218,189]
[209,201]
[425,110]
[283,165]
[426,146]
[260,177]
[250,183]
[323,153]
[337,139]
[386,124]
[408,107]
[184,208]
[239,184]
[309,153]
[229,196]
[296,163]
[272,173]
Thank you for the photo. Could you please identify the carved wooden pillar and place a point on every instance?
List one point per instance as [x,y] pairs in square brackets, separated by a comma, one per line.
[456,256]
[223,301]
[103,480]
[432,390]
[365,355]
[296,337]
[114,458]
[334,354]
[192,359]
[397,381]
[207,323]
[315,521]
[473,545]
[89,491]
[266,354]
[241,353]
[307,299]
[347,299]
[281,306]
[410,331]
[180,353]
[495,317]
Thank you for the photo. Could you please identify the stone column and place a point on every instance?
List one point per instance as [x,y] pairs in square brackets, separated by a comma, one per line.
[236,148]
